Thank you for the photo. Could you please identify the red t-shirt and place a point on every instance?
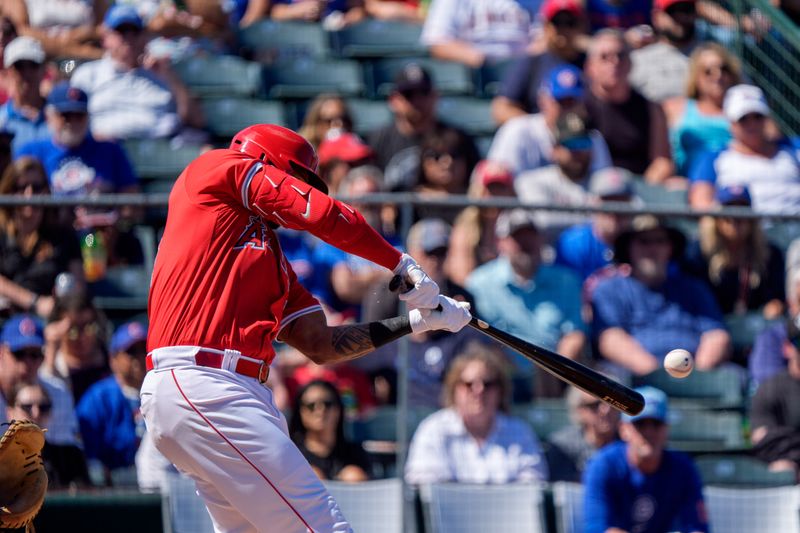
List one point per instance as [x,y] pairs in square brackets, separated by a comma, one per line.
[220,279]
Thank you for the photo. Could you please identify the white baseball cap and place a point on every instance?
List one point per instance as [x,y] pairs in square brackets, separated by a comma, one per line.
[23,48]
[742,100]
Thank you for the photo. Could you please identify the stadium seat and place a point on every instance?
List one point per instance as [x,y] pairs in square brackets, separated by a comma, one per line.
[489,77]
[226,116]
[220,76]
[159,158]
[378,38]
[368,115]
[720,388]
[271,41]
[473,115]
[753,510]
[372,505]
[307,77]
[483,143]
[568,504]
[740,471]
[381,424]
[696,431]
[467,508]
[744,329]
[448,77]
[183,510]
[546,416]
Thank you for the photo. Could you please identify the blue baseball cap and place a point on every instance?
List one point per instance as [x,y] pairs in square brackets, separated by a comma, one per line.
[734,195]
[564,81]
[127,335]
[23,331]
[656,405]
[67,99]
[119,15]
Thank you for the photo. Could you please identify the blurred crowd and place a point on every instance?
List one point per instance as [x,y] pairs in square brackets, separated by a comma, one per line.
[601,102]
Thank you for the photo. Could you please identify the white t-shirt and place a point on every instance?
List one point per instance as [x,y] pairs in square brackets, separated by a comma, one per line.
[499,28]
[59,15]
[442,450]
[659,71]
[124,105]
[526,143]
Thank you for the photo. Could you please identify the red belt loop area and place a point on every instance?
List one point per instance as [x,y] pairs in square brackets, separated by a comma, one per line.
[251,369]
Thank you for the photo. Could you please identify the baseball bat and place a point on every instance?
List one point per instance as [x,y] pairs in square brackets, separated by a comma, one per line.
[590,381]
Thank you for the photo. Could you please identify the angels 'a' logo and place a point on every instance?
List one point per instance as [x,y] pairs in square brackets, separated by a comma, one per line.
[254,235]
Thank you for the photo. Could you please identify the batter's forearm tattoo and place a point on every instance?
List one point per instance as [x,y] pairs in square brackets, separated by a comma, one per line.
[362,338]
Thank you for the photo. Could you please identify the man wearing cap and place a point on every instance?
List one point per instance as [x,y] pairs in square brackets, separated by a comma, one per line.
[23,114]
[21,357]
[413,103]
[641,316]
[588,247]
[527,142]
[660,69]
[564,29]
[769,169]
[637,484]
[538,302]
[132,94]
[108,412]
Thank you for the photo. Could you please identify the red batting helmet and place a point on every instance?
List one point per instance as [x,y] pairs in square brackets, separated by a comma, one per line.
[281,148]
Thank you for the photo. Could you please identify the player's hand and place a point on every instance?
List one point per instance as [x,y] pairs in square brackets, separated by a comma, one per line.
[450,315]
[423,292]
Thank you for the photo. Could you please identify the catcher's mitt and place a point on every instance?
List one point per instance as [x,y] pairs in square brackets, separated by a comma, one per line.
[23,480]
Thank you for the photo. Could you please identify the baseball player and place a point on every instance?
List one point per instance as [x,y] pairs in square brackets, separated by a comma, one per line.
[221,293]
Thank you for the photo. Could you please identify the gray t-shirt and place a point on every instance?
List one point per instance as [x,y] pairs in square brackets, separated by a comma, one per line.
[659,71]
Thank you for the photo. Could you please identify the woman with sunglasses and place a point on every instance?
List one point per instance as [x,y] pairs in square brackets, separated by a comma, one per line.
[473,439]
[317,428]
[34,249]
[696,121]
[326,112]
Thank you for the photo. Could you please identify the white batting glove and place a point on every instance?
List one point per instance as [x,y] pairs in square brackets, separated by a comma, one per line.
[424,293]
[452,317]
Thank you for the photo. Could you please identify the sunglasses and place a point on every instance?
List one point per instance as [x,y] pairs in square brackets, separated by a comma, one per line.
[82,329]
[331,120]
[313,406]
[722,69]
[591,406]
[751,116]
[681,8]
[25,64]
[410,94]
[32,354]
[564,20]
[36,188]
[577,144]
[652,241]
[437,155]
[485,384]
[618,55]
[44,408]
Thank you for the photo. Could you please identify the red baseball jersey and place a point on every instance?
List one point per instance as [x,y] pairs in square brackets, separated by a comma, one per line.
[220,279]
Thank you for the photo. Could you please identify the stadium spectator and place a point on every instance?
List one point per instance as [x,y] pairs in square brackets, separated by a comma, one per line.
[339,152]
[23,113]
[34,248]
[587,247]
[634,128]
[403,10]
[6,137]
[745,272]
[413,103]
[527,142]
[639,317]
[133,94]
[660,68]
[473,439]
[767,358]
[75,348]
[21,357]
[334,14]
[429,353]
[472,31]
[66,28]
[696,121]
[65,464]
[769,169]
[473,240]
[631,15]
[593,425]
[317,428]
[640,485]
[774,418]
[207,22]
[563,183]
[563,32]
[537,302]
[326,111]
[108,413]
[7,34]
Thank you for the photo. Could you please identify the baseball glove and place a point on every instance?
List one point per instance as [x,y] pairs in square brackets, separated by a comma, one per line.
[23,480]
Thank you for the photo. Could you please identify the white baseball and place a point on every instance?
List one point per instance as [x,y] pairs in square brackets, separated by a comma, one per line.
[679,363]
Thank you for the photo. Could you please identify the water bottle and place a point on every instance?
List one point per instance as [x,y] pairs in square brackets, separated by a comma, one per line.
[94,254]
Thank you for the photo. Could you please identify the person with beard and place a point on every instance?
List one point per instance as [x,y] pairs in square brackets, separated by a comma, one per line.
[639,317]
[537,302]
[660,69]
[640,485]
